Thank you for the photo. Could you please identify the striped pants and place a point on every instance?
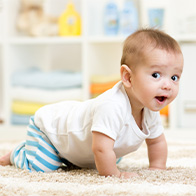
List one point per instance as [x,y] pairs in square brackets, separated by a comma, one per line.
[36,153]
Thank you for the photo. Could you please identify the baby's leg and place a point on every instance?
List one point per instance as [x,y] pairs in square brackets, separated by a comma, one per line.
[34,154]
[5,160]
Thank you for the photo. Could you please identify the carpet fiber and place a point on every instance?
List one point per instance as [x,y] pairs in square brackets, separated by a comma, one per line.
[178,179]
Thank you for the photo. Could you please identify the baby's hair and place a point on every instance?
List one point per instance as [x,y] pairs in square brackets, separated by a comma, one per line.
[137,44]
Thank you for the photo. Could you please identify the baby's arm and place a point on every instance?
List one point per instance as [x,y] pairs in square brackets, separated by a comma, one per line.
[157,152]
[105,158]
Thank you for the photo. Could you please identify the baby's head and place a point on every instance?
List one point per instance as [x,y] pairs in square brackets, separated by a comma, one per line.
[151,66]
[138,45]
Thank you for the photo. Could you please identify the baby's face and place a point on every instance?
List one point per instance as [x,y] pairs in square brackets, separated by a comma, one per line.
[155,82]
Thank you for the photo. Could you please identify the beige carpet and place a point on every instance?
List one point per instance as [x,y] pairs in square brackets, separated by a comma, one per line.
[178,179]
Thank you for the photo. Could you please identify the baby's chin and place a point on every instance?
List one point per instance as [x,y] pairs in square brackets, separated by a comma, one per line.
[157,109]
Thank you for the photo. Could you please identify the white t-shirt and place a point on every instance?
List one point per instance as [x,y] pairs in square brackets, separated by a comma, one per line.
[69,125]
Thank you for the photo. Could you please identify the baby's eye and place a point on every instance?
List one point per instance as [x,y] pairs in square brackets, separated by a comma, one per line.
[174,78]
[156,75]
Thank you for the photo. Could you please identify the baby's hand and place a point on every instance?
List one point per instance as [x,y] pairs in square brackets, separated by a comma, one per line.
[127,175]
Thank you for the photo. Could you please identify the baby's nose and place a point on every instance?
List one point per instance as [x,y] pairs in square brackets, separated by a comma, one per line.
[166,84]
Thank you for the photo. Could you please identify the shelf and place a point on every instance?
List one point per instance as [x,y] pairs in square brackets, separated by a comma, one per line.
[106,39]
[120,39]
[45,40]
[185,37]
[65,40]
[116,39]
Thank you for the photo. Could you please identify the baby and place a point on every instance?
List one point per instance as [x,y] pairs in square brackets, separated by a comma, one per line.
[97,132]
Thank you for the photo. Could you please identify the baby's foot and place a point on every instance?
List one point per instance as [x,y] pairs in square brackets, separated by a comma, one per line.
[5,160]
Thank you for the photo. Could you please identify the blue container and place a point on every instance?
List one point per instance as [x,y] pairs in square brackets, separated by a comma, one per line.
[156,17]
[129,21]
[111,18]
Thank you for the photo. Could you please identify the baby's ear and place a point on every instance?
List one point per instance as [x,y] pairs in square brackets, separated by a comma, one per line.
[125,73]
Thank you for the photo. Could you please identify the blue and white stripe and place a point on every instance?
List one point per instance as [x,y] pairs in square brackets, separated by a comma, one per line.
[36,153]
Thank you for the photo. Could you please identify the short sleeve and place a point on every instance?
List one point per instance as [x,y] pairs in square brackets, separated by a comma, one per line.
[154,124]
[108,119]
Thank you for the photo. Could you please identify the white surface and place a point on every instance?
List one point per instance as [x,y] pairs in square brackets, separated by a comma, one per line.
[91,53]
[9,133]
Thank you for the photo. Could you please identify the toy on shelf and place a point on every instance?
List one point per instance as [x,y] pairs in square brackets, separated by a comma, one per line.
[33,21]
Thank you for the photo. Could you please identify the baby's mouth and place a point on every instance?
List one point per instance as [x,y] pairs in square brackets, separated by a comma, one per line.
[161,98]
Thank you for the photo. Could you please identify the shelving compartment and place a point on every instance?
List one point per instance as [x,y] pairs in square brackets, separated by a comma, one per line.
[184,18]
[51,13]
[187,98]
[39,69]
[42,74]
[104,58]
[104,66]
[96,16]
[46,56]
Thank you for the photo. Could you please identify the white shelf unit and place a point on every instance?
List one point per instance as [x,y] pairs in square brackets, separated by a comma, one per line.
[47,53]
[91,53]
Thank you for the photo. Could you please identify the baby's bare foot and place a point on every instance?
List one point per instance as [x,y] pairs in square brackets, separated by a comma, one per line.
[5,160]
